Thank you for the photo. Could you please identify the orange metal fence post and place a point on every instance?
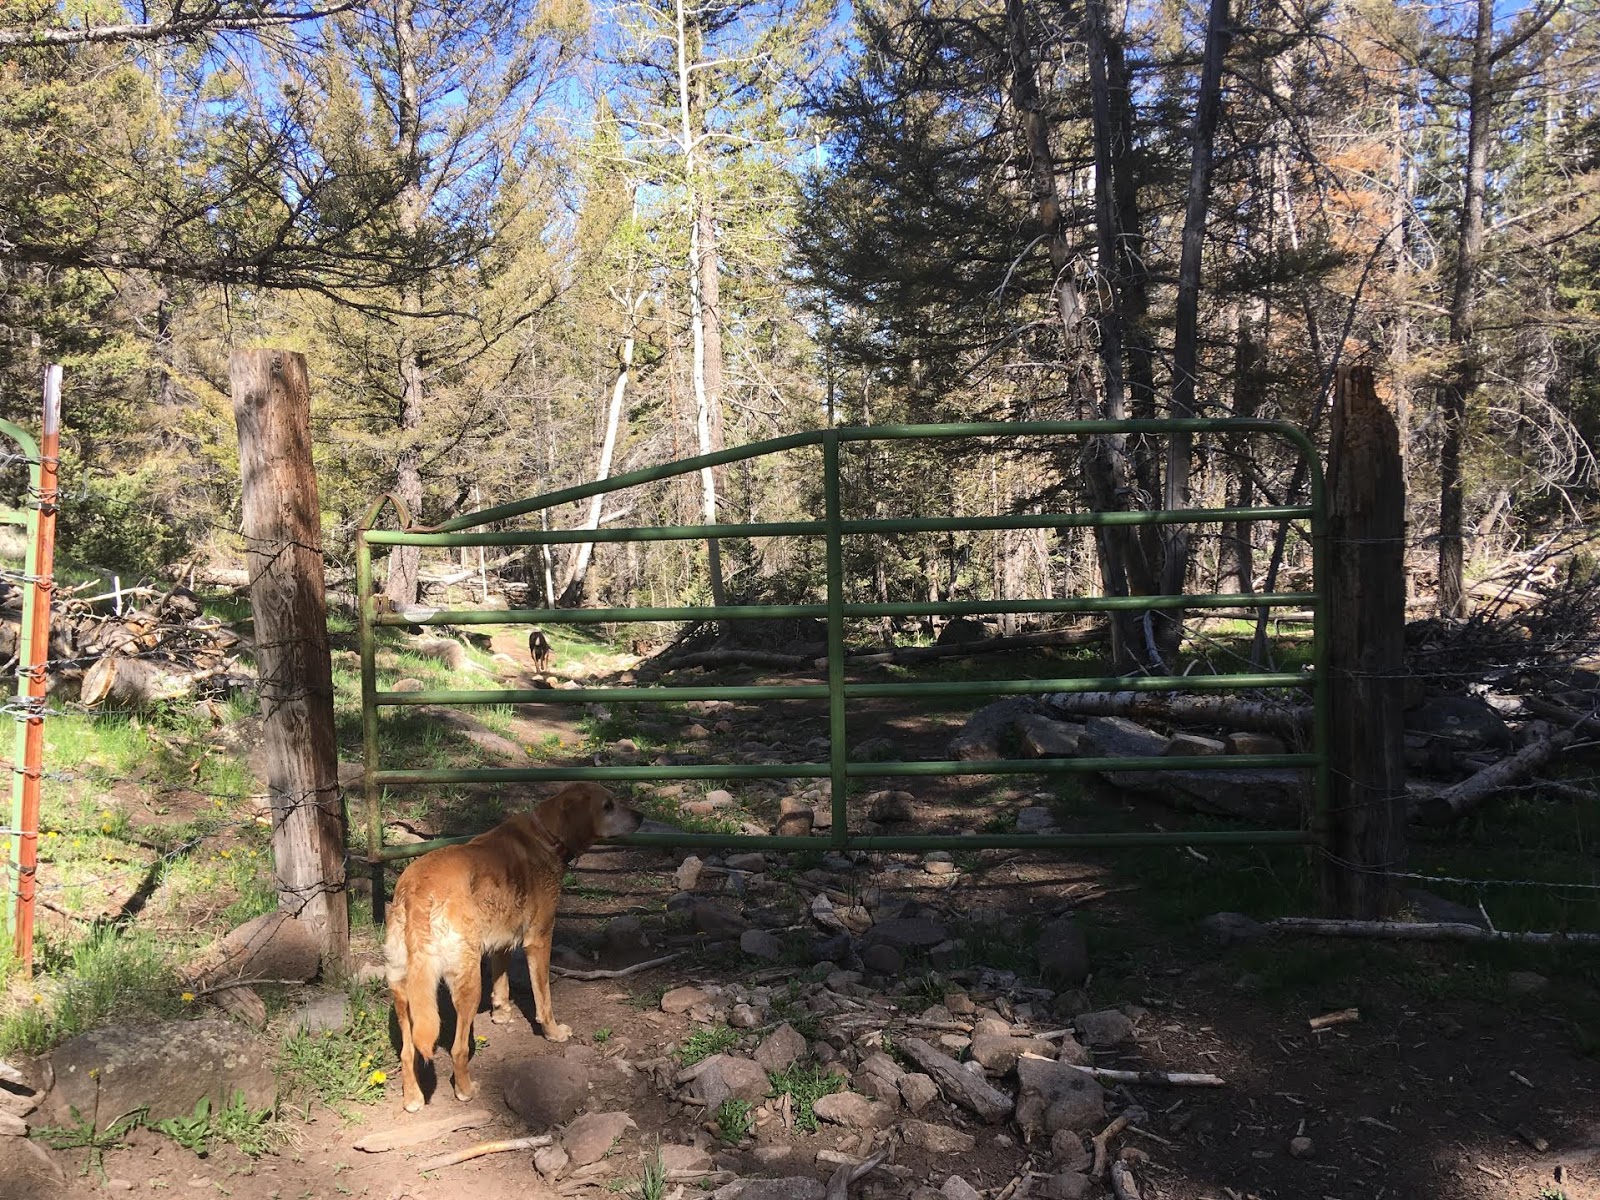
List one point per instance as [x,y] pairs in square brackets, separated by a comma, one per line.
[36,668]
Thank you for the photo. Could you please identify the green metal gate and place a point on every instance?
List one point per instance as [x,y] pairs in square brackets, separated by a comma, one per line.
[469,530]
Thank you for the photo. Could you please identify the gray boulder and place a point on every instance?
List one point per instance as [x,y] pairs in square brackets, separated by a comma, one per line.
[547,1091]
[166,1067]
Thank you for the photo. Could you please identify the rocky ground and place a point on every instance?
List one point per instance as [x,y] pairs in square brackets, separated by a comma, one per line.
[987,1024]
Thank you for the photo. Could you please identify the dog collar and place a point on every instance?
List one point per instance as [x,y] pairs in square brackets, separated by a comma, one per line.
[549,840]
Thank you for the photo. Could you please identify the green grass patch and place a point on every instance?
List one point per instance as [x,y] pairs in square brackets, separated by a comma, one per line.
[252,1131]
[113,973]
[733,1120]
[804,1085]
[703,1043]
[341,1067]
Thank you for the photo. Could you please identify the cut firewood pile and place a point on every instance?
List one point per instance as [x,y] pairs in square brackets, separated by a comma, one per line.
[165,649]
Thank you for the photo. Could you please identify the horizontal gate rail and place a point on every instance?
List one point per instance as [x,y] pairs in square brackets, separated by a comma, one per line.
[838,691]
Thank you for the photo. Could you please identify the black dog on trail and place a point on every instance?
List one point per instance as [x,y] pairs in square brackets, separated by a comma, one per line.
[539,648]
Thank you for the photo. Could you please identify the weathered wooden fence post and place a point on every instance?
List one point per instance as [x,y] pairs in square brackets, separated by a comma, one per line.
[283,541]
[1364,830]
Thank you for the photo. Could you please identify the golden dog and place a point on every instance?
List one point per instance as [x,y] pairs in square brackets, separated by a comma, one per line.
[487,895]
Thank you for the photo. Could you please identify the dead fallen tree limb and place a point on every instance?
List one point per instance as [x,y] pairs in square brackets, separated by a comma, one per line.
[732,658]
[1015,641]
[498,1147]
[1457,801]
[618,973]
[1176,709]
[1123,1185]
[1554,710]
[1426,931]
[1151,1078]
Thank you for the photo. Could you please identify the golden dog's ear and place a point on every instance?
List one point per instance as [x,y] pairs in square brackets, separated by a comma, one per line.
[578,811]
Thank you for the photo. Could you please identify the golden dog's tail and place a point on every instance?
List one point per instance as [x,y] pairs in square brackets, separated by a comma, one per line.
[413,983]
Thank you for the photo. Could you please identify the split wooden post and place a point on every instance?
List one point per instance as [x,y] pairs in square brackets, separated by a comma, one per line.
[1364,828]
[283,540]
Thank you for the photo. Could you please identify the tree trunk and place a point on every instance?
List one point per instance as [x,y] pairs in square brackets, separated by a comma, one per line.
[1124,554]
[703,269]
[1461,379]
[282,528]
[401,583]
[1186,335]
[573,587]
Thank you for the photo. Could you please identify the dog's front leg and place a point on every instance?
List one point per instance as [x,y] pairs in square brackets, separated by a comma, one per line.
[500,988]
[537,945]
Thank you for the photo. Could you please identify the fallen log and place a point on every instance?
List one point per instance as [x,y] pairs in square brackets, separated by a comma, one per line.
[1457,801]
[1426,931]
[1176,709]
[1015,641]
[839,1182]
[1102,1140]
[958,1084]
[733,658]
[140,682]
[1554,710]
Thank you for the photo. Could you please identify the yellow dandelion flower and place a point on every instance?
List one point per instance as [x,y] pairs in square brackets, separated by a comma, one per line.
[188,997]
[377,1077]
[52,833]
[37,998]
[106,828]
[222,853]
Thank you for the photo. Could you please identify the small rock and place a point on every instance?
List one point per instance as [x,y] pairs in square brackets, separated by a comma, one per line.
[959,1004]
[696,733]
[1226,928]
[1302,1147]
[758,943]
[550,1161]
[1192,745]
[938,862]
[957,1188]
[753,862]
[883,959]
[588,1138]
[1106,1028]
[682,999]
[1069,1152]
[1053,1096]
[1066,1185]
[781,1048]
[324,1014]
[891,806]
[688,873]
[716,921]
[119,1185]
[918,1091]
[408,684]
[625,940]
[1035,820]
[548,1092]
[853,1111]
[1245,742]
[937,1139]
[1526,983]
[744,1017]
[1074,1051]
[684,1158]
[1063,953]
[1042,737]
[998,1055]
